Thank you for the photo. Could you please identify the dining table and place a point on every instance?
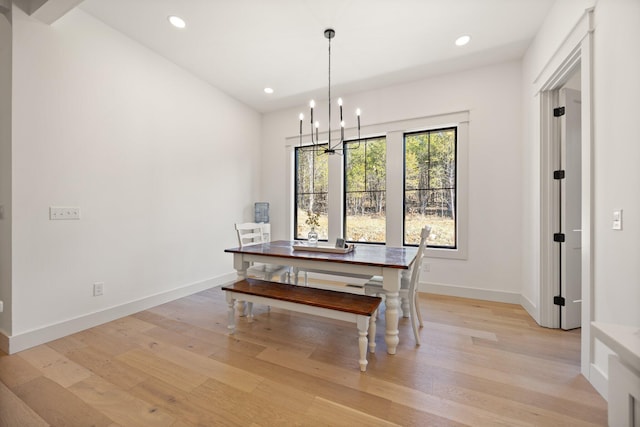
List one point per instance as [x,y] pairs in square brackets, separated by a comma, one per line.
[362,260]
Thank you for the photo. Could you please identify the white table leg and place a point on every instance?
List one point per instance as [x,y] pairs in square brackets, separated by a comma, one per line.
[391,284]
[231,312]
[242,308]
[372,332]
[363,326]
[404,307]
[241,267]
[404,302]
[249,305]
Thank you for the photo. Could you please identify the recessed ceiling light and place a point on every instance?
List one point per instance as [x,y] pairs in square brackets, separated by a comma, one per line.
[462,40]
[177,22]
[268,90]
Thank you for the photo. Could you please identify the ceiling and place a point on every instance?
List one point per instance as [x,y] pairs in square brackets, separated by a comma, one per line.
[243,46]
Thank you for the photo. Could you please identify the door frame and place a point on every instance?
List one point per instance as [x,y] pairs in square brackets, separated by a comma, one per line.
[570,209]
[576,51]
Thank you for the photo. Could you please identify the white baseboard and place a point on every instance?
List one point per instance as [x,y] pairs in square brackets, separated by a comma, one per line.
[439,288]
[530,308]
[4,342]
[599,381]
[465,292]
[23,341]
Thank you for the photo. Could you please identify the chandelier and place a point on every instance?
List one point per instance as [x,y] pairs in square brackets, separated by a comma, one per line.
[339,146]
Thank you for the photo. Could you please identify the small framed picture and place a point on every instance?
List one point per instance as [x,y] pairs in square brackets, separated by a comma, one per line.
[340,243]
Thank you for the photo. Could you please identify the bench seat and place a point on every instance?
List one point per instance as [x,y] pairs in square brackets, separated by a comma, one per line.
[359,309]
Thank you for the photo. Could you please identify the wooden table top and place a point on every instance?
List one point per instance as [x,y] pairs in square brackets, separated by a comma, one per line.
[372,255]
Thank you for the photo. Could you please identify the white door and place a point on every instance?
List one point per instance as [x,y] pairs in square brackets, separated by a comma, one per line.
[571,210]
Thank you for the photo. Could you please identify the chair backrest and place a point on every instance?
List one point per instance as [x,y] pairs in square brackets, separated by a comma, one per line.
[417,265]
[249,233]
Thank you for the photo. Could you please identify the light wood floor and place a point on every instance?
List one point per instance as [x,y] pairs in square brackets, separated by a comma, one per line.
[480,364]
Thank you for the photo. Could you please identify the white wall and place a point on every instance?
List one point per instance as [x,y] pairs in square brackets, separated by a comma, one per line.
[160,163]
[617,156]
[5,173]
[492,97]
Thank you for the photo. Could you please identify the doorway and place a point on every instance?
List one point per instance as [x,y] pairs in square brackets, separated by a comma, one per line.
[563,202]
[568,204]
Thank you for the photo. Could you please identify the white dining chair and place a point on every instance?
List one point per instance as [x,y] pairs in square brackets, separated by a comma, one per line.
[408,291]
[252,233]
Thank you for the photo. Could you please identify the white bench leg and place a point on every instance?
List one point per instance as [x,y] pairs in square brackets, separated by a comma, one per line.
[231,312]
[372,332]
[363,327]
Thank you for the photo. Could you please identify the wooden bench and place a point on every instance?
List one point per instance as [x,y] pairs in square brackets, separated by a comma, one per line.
[359,309]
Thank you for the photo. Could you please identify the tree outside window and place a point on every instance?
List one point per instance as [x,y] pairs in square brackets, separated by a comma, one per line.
[365,190]
[430,186]
[311,190]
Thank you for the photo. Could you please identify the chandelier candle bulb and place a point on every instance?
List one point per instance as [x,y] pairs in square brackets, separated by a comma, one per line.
[317,126]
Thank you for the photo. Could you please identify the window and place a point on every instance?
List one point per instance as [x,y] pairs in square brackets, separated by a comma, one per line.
[425,176]
[430,186]
[311,190]
[364,197]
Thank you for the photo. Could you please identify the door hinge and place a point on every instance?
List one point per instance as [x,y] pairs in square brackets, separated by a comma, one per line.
[558,301]
[558,237]
[557,112]
[558,174]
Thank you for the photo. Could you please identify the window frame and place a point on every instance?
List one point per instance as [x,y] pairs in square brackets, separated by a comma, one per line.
[344,189]
[320,148]
[404,185]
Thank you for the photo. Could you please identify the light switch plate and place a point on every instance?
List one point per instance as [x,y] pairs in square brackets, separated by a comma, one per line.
[617,220]
[56,213]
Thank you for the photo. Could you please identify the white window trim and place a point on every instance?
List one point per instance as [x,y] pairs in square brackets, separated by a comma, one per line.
[394,132]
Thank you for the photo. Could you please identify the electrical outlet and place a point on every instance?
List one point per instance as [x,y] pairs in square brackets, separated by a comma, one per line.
[426,267]
[98,289]
[1,306]
[56,213]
